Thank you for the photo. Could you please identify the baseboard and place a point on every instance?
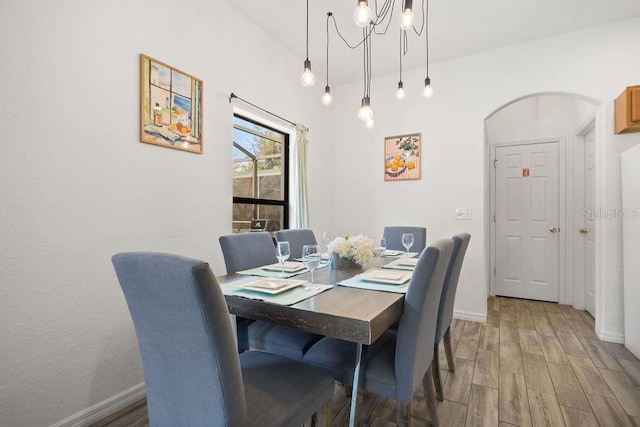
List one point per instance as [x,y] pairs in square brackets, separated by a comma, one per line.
[474,317]
[105,408]
[614,337]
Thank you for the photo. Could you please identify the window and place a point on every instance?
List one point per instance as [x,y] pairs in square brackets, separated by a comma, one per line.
[260,176]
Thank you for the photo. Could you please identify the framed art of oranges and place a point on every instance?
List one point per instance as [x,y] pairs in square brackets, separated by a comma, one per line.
[402,157]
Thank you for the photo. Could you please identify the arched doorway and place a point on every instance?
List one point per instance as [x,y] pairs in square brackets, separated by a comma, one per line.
[559,122]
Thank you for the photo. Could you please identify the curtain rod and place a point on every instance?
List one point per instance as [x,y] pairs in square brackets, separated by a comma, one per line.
[233,95]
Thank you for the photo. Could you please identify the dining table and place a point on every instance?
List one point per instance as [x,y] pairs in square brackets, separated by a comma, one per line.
[344,312]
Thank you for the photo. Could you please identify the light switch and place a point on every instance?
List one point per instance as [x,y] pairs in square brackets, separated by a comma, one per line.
[463,214]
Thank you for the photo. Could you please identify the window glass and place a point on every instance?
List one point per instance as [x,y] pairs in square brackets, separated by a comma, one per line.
[260,175]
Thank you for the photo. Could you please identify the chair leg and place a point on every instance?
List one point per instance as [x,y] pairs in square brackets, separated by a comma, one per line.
[403,418]
[447,349]
[430,398]
[323,417]
[348,389]
[435,370]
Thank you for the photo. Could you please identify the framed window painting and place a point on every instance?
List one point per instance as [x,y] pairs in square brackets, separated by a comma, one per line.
[170,106]
[402,155]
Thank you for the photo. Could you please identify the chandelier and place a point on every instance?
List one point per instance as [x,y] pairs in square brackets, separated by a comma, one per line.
[375,24]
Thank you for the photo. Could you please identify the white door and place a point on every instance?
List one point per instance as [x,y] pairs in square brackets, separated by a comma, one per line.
[527,243]
[588,229]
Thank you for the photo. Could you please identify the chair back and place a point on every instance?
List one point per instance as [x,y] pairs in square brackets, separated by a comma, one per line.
[445,313]
[297,238]
[417,327]
[393,236]
[191,368]
[247,250]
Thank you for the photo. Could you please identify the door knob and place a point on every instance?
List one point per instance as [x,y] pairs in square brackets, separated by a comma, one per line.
[583,230]
[553,229]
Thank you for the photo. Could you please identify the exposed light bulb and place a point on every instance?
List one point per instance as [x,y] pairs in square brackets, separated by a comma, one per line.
[407,19]
[327,98]
[369,123]
[400,93]
[365,112]
[363,14]
[428,90]
[308,79]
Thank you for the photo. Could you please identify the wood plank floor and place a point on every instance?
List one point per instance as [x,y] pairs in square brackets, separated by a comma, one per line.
[531,364]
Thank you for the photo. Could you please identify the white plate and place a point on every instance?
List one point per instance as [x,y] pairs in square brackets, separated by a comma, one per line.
[407,261]
[270,286]
[395,277]
[390,252]
[289,267]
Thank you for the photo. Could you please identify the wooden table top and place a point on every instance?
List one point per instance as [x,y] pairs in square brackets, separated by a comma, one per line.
[351,314]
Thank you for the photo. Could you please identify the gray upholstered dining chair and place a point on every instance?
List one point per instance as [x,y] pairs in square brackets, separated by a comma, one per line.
[242,251]
[393,237]
[193,375]
[445,312]
[297,238]
[249,250]
[399,360]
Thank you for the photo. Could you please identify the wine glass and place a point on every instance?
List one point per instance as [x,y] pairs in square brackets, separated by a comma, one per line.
[282,254]
[328,237]
[407,241]
[379,246]
[311,260]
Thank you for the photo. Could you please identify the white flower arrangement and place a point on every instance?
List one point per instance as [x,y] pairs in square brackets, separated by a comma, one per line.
[358,249]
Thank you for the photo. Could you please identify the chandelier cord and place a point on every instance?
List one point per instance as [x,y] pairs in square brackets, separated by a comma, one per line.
[386,7]
[369,68]
[329,15]
[386,13]
[401,54]
[307,29]
[426,29]
[424,18]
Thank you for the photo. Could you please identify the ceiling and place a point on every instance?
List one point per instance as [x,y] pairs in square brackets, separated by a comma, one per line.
[456,28]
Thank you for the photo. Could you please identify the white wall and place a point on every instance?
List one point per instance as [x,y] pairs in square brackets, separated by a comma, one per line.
[596,64]
[78,186]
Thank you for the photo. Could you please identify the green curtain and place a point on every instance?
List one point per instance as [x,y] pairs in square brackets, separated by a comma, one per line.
[302,209]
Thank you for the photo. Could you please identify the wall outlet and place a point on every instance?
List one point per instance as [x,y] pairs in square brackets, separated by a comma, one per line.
[463,214]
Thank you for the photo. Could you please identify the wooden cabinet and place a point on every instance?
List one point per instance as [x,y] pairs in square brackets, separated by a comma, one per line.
[627,111]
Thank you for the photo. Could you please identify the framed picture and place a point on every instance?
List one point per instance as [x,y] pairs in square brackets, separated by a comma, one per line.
[402,157]
[170,106]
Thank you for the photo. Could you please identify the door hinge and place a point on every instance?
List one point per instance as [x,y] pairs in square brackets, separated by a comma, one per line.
[494,272]
[494,217]
[494,163]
